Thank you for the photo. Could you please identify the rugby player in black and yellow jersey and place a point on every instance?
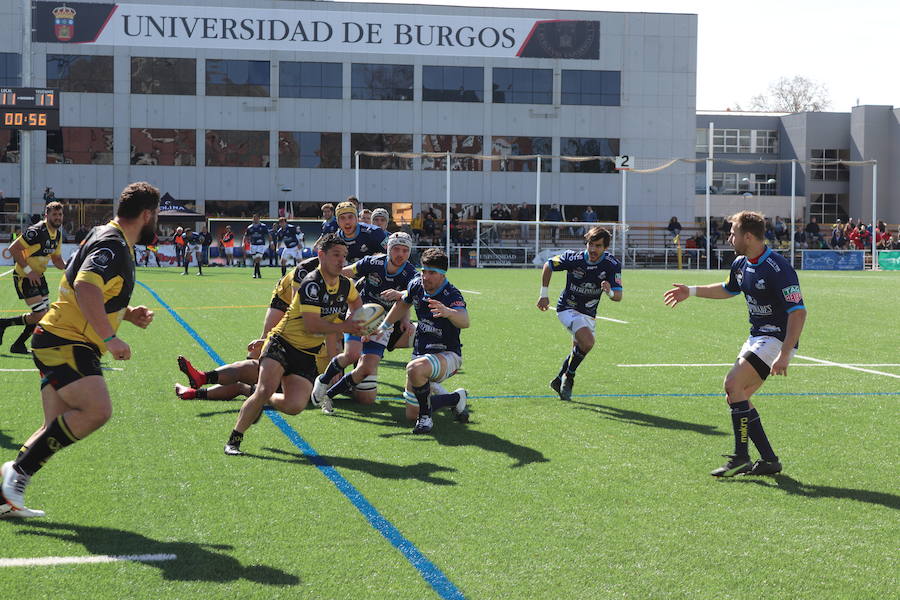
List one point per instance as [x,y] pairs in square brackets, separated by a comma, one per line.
[38,245]
[78,329]
[289,353]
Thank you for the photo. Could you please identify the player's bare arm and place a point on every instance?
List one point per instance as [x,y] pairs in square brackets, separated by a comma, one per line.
[543,302]
[615,296]
[18,254]
[141,316]
[90,301]
[680,292]
[795,323]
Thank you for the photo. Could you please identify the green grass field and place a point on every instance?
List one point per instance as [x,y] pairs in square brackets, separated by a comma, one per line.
[605,497]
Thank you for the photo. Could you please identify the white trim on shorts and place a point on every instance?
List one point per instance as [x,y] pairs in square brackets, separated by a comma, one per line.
[195,248]
[574,320]
[292,253]
[259,249]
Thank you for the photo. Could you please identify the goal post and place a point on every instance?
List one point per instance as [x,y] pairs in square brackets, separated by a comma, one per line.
[531,243]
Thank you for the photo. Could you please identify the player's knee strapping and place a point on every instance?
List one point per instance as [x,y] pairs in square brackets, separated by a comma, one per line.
[40,306]
[435,366]
[368,384]
[410,398]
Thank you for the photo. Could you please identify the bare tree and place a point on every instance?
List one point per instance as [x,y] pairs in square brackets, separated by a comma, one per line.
[793,94]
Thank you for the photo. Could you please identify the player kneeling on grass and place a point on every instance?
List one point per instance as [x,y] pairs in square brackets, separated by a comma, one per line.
[289,353]
[384,279]
[591,273]
[437,351]
[777,315]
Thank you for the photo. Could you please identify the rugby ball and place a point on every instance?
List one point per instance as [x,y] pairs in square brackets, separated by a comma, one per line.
[369,316]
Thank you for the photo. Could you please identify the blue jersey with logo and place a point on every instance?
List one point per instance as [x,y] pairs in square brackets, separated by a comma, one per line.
[376,279]
[367,240]
[290,235]
[772,291]
[434,334]
[258,234]
[194,238]
[329,226]
[583,280]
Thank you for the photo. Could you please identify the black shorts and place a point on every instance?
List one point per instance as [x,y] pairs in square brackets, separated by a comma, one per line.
[61,361]
[25,288]
[279,304]
[292,360]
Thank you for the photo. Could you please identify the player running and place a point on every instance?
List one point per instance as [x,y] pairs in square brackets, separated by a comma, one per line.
[777,314]
[591,273]
[258,236]
[292,239]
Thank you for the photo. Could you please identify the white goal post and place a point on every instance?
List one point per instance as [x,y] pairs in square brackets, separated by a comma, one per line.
[531,243]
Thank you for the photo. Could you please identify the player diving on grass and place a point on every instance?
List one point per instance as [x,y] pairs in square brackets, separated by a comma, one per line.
[437,350]
[384,279]
[590,273]
[289,353]
[777,314]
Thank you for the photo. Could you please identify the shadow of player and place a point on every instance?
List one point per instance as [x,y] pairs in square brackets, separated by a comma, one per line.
[644,419]
[8,443]
[194,562]
[791,486]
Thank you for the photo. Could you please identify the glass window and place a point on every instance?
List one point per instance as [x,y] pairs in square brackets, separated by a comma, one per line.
[523,86]
[237,78]
[702,144]
[10,69]
[173,76]
[591,88]
[229,148]
[310,80]
[457,144]
[828,208]
[309,150]
[80,146]
[821,170]
[164,147]
[84,73]
[381,82]
[741,183]
[381,142]
[588,147]
[753,141]
[9,146]
[506,145]
[453,84]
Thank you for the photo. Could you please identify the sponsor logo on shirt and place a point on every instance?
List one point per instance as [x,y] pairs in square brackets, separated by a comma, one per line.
[792,294]
[102,258]
[758,310]
[761,284]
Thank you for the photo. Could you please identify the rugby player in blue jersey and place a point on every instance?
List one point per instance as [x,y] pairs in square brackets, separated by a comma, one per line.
[292,239]
[384,279]
[590,273]
[258,234]
[437,350]
[777,315]
[361,239]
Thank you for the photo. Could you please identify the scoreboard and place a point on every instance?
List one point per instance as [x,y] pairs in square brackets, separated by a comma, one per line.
[29,108]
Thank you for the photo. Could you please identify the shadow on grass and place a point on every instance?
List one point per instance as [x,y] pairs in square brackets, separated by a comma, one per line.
[791,486]
[195,562]
[423,471]
[644,419]
[216,413]
[8,443]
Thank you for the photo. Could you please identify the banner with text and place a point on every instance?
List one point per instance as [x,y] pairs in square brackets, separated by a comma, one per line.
[834,260]
[889,260]
[252,28]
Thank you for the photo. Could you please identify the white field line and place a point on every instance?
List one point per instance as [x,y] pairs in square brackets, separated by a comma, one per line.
[553,308]
[7,273]
[35,370]
[847,366]
[470,291]
[824,364]
[52,561]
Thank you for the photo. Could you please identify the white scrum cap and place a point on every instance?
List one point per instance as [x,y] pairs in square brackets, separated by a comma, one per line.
[400,238]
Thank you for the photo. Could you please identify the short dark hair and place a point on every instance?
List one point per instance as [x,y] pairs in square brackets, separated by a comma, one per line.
[329,206]
[52,206]
[353,199]
[748,221]
[329,241]
[598,234]
[435,257]
[136,198]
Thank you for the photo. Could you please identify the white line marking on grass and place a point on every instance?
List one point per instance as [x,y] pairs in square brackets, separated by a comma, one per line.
[846,366]
[35,370]
[7,273]
[470,291]
[823,364]
[613,320]
[52,561]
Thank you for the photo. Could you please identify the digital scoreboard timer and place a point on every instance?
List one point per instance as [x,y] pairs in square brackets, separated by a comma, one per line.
[29,108]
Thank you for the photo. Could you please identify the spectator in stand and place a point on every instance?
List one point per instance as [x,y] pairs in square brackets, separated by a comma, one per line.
[179,241]
[713,234]
[554,214]
[771,239]
[674,228]
[860,237]
[781,232]
[428,228]
[839,239]
[813,234]
[418,225]
[896,244]
[882,237]
[49,196]
[800,237]
[588,216]
[576,232]
[207,242]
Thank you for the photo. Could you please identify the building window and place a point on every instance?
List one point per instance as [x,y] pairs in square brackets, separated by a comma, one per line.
[591,88]
[457,144]
[80,146]
[309,150]
[523,86]
[228,148]
[504,145]
[381,82]
[237,78]
[10,69]
[588,147]
[9,146]
[164,147]
[702,143]
[171,76]
[765,141]
[746,141]
[310,80]
[741,183]
[453,84]
[80,73]
[819,170]
[828,208]
[381,142]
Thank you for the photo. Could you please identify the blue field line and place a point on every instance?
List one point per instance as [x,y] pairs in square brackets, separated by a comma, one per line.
[429,571]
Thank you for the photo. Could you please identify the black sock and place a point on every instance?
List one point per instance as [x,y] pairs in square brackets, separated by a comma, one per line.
[212,377]
[56,437]
[256,270]
[564,368]
[575,359]
[758,435]
[442,400]
[200,268]
[740,421]
[185,267]
[422,396]
[334,367]
[283,270]
[20,320]
[343,386]
[26,333]
[235,439]
[201,394]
